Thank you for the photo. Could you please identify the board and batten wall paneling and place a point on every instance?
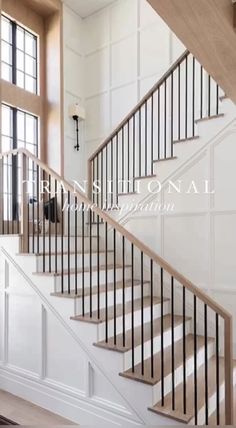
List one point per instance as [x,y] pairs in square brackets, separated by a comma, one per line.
[74,92]
[127,49]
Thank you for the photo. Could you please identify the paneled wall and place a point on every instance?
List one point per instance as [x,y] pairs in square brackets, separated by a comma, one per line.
[127,48]
[74,92]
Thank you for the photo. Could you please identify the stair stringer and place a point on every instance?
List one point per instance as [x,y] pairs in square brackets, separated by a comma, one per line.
[136,397]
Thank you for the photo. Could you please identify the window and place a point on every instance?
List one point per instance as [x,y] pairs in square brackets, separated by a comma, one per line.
[19,129]
[19,60]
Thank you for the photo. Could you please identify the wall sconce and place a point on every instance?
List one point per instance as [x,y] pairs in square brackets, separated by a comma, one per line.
[78,114]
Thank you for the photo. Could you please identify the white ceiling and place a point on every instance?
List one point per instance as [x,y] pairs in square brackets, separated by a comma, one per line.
[87,7]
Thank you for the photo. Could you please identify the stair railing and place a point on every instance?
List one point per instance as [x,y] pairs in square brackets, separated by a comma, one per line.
[165,115]
[119,281]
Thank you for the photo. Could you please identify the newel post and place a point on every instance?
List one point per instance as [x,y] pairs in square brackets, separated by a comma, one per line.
[228,365]
[24,207]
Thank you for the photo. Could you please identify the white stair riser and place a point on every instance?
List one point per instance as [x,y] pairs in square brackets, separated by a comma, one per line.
[179,373]
[178,333]
[102,260]
[110,298]
[56,244]
[128,320]
[110,278]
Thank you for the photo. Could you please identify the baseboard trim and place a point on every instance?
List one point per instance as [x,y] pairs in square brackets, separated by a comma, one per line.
[71,405]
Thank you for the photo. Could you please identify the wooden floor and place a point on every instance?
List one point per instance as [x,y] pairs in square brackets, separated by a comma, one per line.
[25,413]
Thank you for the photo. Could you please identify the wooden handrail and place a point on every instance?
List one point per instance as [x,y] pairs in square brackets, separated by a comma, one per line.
[140,104]
[129,236]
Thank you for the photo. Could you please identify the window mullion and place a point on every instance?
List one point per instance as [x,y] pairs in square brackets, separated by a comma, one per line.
[14,59]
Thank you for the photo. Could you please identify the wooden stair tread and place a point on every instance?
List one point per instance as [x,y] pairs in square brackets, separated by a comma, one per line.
[178,319]
[80,270]
[178,414]
[212,419]
[119,311]
[186,140]
[178,352]
[102,289]
[59,253]
[214,116]
[165,159]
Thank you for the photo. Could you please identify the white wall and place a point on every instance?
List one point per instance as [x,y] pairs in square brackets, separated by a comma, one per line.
[127,49]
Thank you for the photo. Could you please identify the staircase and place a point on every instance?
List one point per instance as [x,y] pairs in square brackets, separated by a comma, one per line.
[165,339]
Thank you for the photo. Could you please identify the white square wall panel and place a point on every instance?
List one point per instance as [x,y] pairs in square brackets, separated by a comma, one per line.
[123,101]
[123,19]
[73,30]
[225,250]
[124,61]
[97,72]
[97,31]
[74,73]
[154,49]
[97,119]
[147,14]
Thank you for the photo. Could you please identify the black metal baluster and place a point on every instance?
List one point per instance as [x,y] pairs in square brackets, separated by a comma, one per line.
[152,134]
[56,219]
[195,360]
[76,245]
[140,142]
[114,283]
[94,195]
[146,139]
[97,173]
[162,342]
[112,175]
[106,177]
[179,103]
[206,364]
[38,202]
[142,317]
[98,267]
[209,96]
[106,283]
[165,118]
[184,353]
[68,241]
[186,98]
[159,123]
[123,159]
[49,225]
[193,97]
[172,343]
[128,158]
[102,182]
[62,240]
[132,304]
[44,258]
[201,93]
[33,213]
[217,99]
[217,372]
[117,170]
[83,308]
[172,115]
[151,308]
[90,265]
[8,197]
[123,287]
[134,152]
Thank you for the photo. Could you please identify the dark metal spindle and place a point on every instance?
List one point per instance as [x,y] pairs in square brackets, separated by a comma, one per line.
[128,158]
[56,219]
[186,98]
[122,159]
[162,342]
[90,264]
[217,99]
[38,221]
[172,114]
[142,317]
[152,135]
[209,96]
[98,267]
[217,372]
[132,304]
[146,139]
[151,308]
[195,360]
[49,225]
[123,286]
[114,282]
[201,92]
[106,282]
[165,118]
[82,219]
[76,246]
[184,353]
[172,343]
[179,103]
[206,363]
[44,257]
[62,240]
[140,142]
[193,100]
[68,242]
[134,152]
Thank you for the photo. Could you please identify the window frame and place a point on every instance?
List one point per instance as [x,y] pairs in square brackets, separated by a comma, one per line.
[15,49]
